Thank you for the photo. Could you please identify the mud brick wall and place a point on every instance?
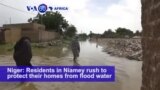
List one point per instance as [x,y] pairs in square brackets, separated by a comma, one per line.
[12,35]
[151,44]
[32,34]
[47,35]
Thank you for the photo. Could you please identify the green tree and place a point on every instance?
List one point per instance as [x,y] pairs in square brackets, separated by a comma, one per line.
[82,36]
[137,33]
[52,20]
[108,34]
[30,20]
[123,32]
[90,34]
[71,31]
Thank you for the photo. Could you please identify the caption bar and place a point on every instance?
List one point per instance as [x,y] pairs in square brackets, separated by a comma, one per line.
[57,74]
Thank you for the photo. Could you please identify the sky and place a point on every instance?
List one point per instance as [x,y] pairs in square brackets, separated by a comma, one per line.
[87,15]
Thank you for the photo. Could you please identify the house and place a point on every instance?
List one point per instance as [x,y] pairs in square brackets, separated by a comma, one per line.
[9,35]
[36,32]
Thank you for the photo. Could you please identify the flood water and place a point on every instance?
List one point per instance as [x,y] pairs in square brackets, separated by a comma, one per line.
[128,72]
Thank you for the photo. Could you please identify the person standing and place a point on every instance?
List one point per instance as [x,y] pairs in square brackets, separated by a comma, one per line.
[75,48]
[23,52]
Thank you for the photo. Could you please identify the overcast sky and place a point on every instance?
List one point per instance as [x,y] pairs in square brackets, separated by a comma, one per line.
[87,15]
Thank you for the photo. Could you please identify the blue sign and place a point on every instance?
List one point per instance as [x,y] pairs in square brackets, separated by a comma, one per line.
[42,8]
[57,74]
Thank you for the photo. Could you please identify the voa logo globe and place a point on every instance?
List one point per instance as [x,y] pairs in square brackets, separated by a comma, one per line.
[42,8]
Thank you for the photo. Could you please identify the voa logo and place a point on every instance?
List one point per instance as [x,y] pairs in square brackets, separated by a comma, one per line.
[42,8]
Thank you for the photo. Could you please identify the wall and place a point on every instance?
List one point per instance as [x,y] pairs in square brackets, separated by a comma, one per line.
[151,44]
[26,26]
[48,35]
[12,35]
[35,31]
[1,36]
[33,35]
[40,35]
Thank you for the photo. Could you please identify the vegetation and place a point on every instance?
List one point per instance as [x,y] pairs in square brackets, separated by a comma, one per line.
[82,36]
[120,33]
[54,21]
[123,32]
[109,34]
[6,49]
[137,33]
[94,35]
[71,31]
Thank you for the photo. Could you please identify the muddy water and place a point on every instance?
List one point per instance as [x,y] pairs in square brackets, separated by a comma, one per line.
[128,72]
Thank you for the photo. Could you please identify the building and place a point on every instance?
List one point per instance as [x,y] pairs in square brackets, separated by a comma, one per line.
[36,32]
[9,35]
